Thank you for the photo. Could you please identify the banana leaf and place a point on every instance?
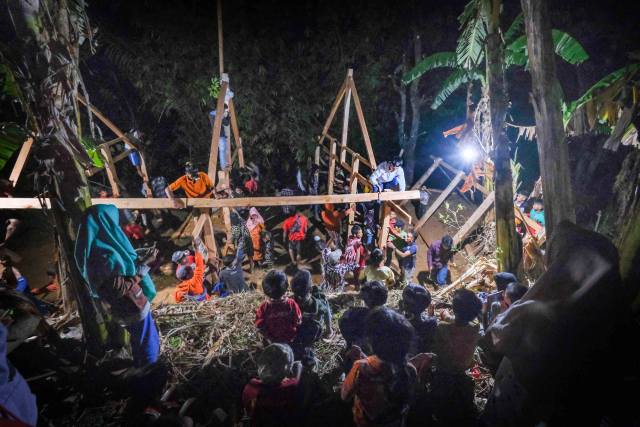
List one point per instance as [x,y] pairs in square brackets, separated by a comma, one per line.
[453,82]
[441,59]
[515,27]
[12,137]
[93,152]
[566,47]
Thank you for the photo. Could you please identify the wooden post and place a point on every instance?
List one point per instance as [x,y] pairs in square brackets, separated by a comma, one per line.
[354,188]
[363,125]
[440,199]
[345,123]
[215,137]
[236,133]
[332,167]
[385,210]
[424,177]
[336,103]
[223,177]
[473,219]
[111,171]
[552,147]
[20,162]
[209,238]
[220,46]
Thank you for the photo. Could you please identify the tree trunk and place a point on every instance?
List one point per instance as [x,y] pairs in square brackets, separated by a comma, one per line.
[506,237]
[45,38]
[416,107]
[552,148]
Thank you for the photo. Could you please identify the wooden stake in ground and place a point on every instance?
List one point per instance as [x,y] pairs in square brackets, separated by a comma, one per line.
[546,100]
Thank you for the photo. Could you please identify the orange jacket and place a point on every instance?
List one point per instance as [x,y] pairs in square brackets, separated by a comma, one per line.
[192,286]
[332,217]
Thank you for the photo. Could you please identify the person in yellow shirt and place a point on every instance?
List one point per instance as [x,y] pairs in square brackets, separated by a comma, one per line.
[375,270]
[195,185]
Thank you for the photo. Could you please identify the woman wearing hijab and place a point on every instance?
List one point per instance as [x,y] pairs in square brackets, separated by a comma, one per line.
[255,225]
[110,266]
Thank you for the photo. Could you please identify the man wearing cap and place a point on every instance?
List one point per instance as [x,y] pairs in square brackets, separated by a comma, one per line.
[388,175]
[195,185]
[438,257]
[186,262]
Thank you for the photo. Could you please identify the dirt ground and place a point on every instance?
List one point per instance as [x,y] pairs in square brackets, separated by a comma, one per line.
[35,245]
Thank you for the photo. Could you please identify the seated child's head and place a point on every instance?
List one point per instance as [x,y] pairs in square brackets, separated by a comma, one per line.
[239,190]
[374,294]
[389,335]
[301,285]
[376,258]
[104,193]
[514,292]
[423,189]
[522,196]
[51,272]
[275,363]
[538,206]
[392,215]
[356,231]
[466,305]
[275,284]
[415,299]
[399,224]
[229,261]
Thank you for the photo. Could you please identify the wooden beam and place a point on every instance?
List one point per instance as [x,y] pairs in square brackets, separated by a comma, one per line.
[333,110]
[20,162]
[385,210]
[362,180]
[332,167]
[111,171]
[401,212]
[142,203]
[198,228]
[345,122]
[223,177]
[236,134]
[113,141]
[474,219]
[363,125]
[427,174]
[354,189]
[440,199]
[122,155]
[215,136]
[209,238]
[479,186]
[220,46]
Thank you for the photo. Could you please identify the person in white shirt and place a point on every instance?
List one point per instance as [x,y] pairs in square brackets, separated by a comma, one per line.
[388,175]
[424,201]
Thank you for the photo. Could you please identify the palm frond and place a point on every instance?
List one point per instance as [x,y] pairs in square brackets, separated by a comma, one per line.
[515,27]
[11,138]
[470,50]
[441,59]
[568,48]
[453,82]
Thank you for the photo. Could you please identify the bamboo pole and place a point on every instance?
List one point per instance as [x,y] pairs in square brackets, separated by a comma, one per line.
[220,46]
[345,123]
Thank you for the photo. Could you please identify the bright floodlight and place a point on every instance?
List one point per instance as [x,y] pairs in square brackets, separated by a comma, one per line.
[469,154]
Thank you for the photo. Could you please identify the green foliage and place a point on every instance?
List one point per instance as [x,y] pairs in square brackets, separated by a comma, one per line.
[11,138]
[442,59]
[473,22]
[453,82]
[566,47]
[516,27]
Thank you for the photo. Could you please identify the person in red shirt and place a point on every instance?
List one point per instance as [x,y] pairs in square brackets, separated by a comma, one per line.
[252,185]
[381,385]
[295,230]
[278,318]
[52,286]
[133,230]
[193,289]
[274,399]
[355,246]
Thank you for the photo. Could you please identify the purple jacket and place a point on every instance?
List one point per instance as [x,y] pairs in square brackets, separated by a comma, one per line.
[438,257]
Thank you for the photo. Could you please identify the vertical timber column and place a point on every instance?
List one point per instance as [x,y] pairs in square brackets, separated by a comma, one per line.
[223,178]
[215,137]
[332,167]
[220,46]
[385,212]
[345,123]
[354,188]
[228,136]
[111,171]
[317,162]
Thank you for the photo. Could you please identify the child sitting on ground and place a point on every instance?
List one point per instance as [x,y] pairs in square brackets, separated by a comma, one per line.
[52,286]
[382,385]
[193,289]
[415,300]
[375,270]
[274,399]
[537,213]
[352,323]
[278,318]
[314,312]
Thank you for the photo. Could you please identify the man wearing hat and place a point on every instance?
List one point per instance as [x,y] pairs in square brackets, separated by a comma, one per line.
[195,185]
[388,175]
[186,263]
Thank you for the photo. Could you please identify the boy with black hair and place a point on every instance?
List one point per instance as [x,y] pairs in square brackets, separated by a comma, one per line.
[455,343]
[352,323]
[52,286]
[514,292]
[278,318]
[537,213]
[415,300]
[396,236]
[375,270]
[295,231]
[521,200]
[314,312]
[407,255]
[232,276]
[438,256]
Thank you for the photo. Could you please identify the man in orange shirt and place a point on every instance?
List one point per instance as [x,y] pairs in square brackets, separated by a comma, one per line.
[332,218]
[193,289]
[195,184]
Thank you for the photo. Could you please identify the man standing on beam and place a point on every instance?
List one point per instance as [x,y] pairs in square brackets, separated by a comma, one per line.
[388,175]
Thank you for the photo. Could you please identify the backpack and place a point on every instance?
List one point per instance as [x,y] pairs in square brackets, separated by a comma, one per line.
[297,226]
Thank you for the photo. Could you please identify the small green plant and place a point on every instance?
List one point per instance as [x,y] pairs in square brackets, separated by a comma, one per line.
[175,341]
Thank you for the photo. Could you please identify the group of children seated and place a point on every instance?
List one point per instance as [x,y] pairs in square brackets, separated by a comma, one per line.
[389,354]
